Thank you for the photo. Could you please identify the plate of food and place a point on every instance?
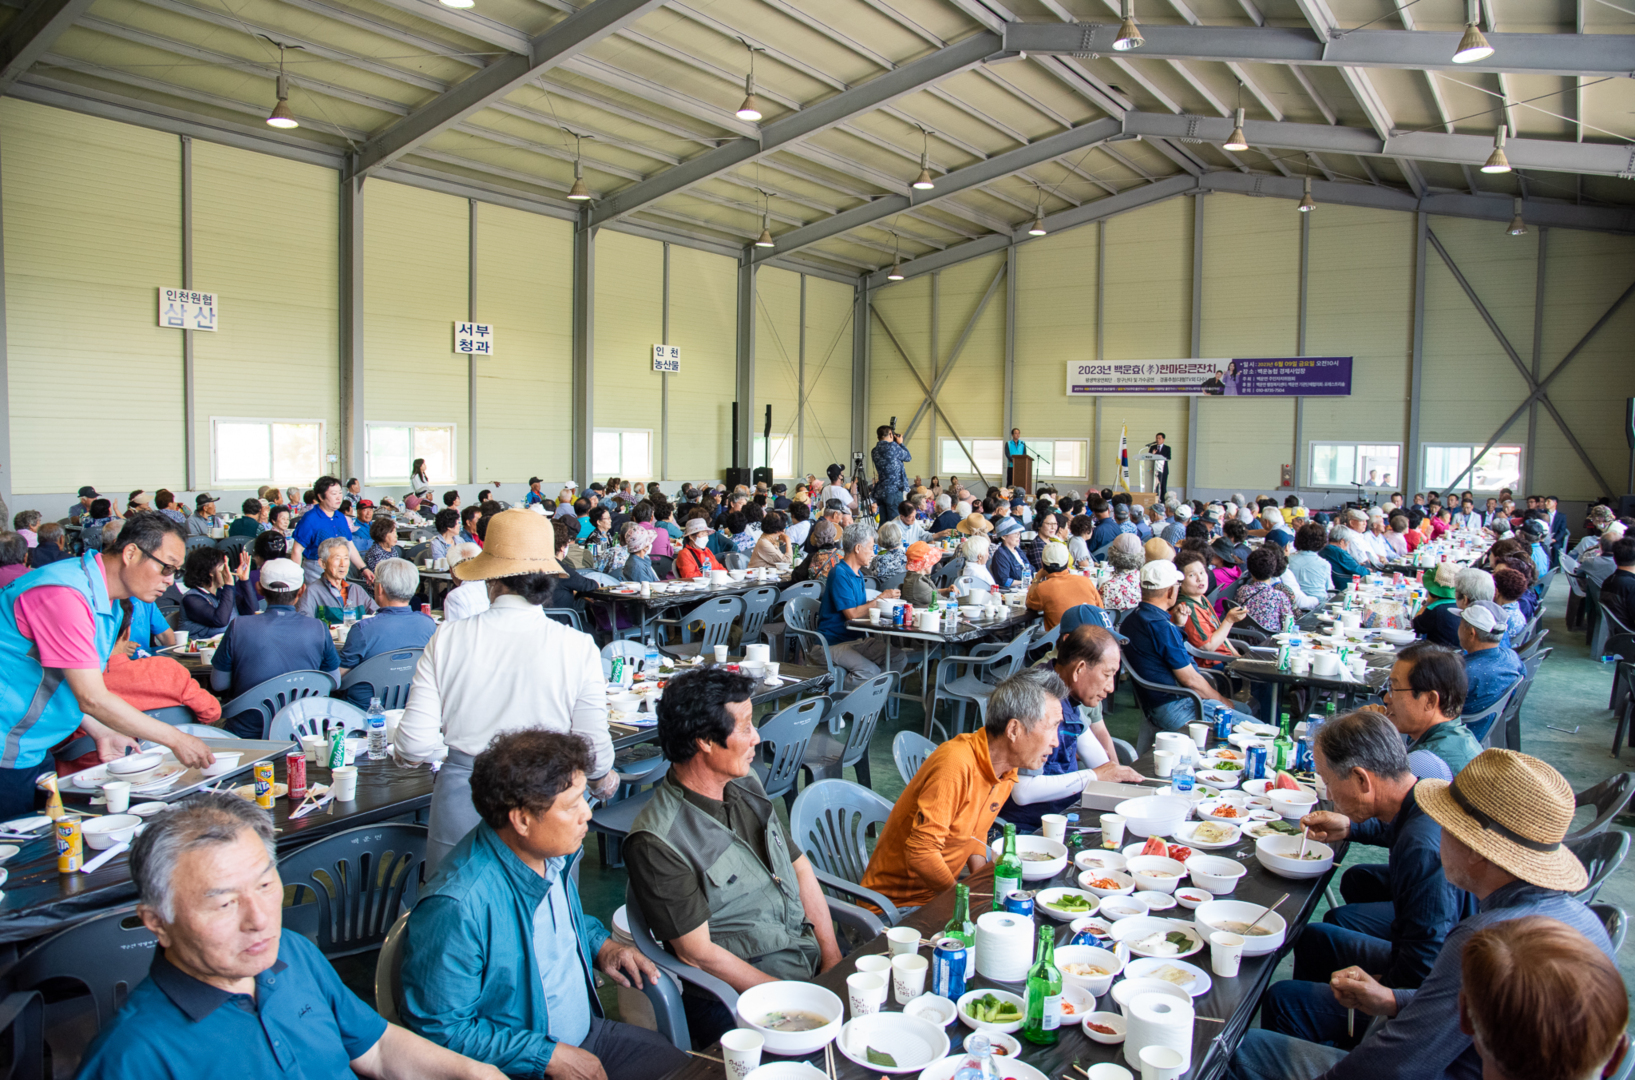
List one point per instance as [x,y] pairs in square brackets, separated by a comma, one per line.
[1194,980]
[1156,846]
[1209,835]
[1258,829]
[1222,810]
[1065,905]
[1147,935]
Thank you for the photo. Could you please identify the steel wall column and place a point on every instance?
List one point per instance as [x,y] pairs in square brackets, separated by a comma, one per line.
[1101,308]
[584,352]
[745,385]
[1010,339]
[354,460]
[5,388]
[1411,475]
[471,316]
[190,418]
[1300,344]
[799,458]
[1197,330]
[860,361]
[664,376]
[936,284]
[1530,478]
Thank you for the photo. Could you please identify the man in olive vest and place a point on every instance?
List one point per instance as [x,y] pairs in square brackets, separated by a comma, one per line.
[709,863]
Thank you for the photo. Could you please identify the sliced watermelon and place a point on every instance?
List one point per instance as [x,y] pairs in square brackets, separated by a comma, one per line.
[1155,846]
[1180,853]
[1285,782]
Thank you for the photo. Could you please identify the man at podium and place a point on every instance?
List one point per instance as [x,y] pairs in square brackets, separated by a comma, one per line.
[1161,468]
[1013,447]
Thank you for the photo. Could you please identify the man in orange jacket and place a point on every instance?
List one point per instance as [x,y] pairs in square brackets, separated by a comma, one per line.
[940,823]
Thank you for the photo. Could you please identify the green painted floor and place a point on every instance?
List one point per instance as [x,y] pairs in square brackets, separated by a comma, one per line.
[1572,692]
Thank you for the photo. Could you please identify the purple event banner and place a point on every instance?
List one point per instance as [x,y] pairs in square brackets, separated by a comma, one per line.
[1293,376]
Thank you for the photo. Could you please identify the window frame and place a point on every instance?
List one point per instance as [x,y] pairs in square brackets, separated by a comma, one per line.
[372,478]
[758,460]
[621,473]
[1469,482]
[216,480]
[1312,482]
[1039,474]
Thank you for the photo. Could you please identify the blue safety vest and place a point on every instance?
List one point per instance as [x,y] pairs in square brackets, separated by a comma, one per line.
[37,709]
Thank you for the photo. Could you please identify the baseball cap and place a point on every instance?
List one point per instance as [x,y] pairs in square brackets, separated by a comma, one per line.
[282,575]
[1484,615]
[366,504]
[88,492]
[1533,527]
[532,480]
[1121,512]
[1056,554]
[1160,574]
[204,497]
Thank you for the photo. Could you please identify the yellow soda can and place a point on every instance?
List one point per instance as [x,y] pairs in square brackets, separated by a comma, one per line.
[264,784]
[70,845]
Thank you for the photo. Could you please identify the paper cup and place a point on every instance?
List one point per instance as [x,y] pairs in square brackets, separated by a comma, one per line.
[207,656]
[771,668]
[181,636]
[313,746]
[1053,827]
[741,1049]
[873,964]
[1161,1063]
[866,992]
[902,940]
[1112,831]
[874,616]
[344,781]
[720,654]
[1199,733]
[1300,664]
[1163,761]
[908,976]
[1225,953]
[118,794]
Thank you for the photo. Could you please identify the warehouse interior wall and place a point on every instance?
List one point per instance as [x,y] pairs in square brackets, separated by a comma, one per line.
[99,215]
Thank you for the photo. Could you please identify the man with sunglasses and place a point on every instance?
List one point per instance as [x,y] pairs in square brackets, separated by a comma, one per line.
[58,626]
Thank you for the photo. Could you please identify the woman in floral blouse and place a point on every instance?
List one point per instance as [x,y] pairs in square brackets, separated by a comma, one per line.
[1122,591]
[1265,598]
[826,542]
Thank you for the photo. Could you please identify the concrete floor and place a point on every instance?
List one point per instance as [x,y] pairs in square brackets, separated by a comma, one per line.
[1572,692]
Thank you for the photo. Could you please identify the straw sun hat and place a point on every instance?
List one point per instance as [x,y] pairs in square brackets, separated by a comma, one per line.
[515,542]
[1512,810]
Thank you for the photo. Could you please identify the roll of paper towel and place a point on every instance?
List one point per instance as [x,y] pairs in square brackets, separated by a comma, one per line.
[1004,945]
[760,654]
[1158,1020]
[1180,744]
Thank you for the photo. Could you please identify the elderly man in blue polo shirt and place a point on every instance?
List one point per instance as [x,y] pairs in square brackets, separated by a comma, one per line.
[500,957]
[394,625]
[322,521]
[1157,652]
[229,991]
[844,598]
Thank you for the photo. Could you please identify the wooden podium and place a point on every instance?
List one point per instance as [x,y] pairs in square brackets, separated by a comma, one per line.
[1021,471]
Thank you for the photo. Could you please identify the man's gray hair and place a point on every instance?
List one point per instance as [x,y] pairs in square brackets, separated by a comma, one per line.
[944,502]
[1472,585]
[891,535]
[856,533]
[397,578]
[1271,517]
[329,545]
[1363,740]
[975,548]
[1339,533]
[1023,697]
[207,818]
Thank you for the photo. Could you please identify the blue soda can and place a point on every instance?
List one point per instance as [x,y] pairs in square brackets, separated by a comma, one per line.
[1020,902]
[1223,720]
[948,962]
[1302,756]
[1255,766]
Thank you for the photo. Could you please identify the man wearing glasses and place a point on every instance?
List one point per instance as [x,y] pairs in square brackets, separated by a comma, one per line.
[58,626]
[1425,700]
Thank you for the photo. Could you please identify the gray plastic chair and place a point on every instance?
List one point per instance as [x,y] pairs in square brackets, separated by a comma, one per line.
[207,732]
[565,615]
[716,614]
[909,750]
[1484,725]
[850,725]
[389,971]
[266,699]
[315,716]
[946,572]
[964,680]
[612,820]
[363,879]
[1602,855]
[633,652]
[1147,734]
[599,577]
[22,1026]
[773,629]
[387,676]
[735,560]
[830,822]
[784,739]
[103,959]
[1616,924]
[757,606]
[175,715]
[1608,799]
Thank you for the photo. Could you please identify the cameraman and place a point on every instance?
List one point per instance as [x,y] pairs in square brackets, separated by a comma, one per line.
[889,456]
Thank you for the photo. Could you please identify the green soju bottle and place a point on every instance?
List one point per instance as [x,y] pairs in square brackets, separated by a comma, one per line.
[961,926]
[1044,998]
[1007,873]
[1283,745]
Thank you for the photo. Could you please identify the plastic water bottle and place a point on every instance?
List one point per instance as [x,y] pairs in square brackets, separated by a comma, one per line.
[1180,777]
[377,730]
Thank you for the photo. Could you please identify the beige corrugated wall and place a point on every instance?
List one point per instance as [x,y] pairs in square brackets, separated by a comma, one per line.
[93,231]
[524,393]
[1055,323]
[777,356]
[703,309]
[415,288]
[973,395]
[828,376]
[906,308]
[629,322]
[264,234]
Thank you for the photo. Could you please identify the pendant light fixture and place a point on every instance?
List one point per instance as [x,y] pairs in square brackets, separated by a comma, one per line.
[1307,203]
[896,260]
[1237,141]
[751,108]
[459,3]
[1473,46]
[579,192]
[281,117]
[923,182]
[1129,34]
[1518,227]
[1496,161]
[1038,226]
[765,239]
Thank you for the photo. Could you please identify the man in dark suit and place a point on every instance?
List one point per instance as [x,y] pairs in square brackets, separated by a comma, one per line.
[1161,471]
[1557,522]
